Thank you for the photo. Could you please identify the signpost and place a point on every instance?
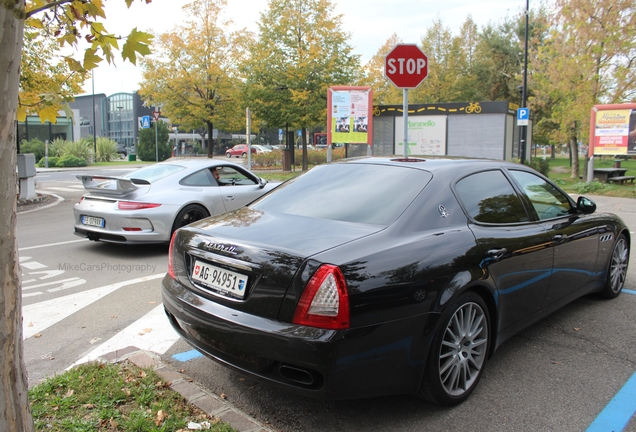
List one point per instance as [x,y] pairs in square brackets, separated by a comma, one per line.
[155,114]
[523,115]
[406,66]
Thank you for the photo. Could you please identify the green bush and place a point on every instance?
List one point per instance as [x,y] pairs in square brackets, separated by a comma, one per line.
[541,165]
[591,187]
[80,149]
[57,147]
[34,146]
[106,149]
[147,146]
[70,161]
[52,162]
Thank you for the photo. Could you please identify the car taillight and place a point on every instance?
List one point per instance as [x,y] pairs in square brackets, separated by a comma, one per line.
[171,257]
[325,301]
[132,205]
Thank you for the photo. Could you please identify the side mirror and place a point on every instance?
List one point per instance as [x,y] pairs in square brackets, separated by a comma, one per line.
[585,205]
[261,182]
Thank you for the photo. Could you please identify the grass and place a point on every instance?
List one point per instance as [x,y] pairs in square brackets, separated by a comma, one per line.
[113,397]
[560,173]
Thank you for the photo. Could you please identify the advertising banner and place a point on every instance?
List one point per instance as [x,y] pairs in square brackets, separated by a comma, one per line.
[427,135]
[611,132]
[349,115]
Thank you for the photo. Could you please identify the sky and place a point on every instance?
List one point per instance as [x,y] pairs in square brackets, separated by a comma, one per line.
[369,22]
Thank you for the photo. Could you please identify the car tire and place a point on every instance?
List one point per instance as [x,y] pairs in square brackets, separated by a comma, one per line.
[189,214]
[244,154]
[616,269]
[458,354]
[228,154]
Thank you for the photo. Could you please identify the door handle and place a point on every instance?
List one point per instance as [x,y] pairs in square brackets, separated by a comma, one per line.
[496,253]
[229,197]
[559,238]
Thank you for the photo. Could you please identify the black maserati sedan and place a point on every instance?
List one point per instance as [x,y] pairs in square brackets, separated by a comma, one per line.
[380,276]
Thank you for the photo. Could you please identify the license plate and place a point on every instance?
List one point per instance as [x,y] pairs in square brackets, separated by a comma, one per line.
[220,279]
[93,221]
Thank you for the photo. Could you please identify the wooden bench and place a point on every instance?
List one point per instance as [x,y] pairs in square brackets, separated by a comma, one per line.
[622,179]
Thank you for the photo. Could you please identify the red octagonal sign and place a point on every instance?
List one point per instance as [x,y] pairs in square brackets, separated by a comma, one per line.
[406,66]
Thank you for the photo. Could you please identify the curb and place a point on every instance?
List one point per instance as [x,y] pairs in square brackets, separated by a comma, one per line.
[212,404]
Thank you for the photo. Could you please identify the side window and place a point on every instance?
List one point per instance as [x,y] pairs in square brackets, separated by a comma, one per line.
[231,176]
[489,197]
[199,178]
[547,200]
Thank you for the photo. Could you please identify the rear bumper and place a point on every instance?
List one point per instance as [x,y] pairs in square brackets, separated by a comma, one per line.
[376,360]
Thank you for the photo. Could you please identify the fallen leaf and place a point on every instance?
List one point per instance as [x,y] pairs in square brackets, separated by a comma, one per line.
[577,328]
[37,335]
[144,331]
[161,416]
[222,396]
[113,423]
[69,393]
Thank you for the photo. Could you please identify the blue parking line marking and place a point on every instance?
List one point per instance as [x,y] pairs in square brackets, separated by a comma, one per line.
[629,291]
[619,411]
[188,355]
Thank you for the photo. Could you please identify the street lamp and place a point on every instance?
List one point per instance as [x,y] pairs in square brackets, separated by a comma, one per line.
[176,142]
[121,129]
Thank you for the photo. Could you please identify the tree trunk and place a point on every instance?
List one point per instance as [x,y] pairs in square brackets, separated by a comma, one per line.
[210,139]
[574,155]
[16,414]
[304,141]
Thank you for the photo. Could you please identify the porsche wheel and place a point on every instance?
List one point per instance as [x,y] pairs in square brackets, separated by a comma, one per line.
[458,355]
[617,269]
[188,214]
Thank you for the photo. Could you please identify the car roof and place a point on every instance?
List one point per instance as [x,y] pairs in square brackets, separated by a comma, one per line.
[197,163]
[438,164]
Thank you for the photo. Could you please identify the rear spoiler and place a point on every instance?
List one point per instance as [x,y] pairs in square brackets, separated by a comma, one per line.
[110,185]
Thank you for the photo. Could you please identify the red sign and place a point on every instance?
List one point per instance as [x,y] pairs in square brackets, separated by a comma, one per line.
[156,114]
[406,66]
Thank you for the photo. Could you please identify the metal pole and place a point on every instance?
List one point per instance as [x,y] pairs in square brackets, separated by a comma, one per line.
[94,125]
[249,138]
[157,141]
[405,108]
[524,129]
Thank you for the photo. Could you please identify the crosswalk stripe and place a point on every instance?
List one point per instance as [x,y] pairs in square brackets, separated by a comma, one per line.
[152,332]
[40,316]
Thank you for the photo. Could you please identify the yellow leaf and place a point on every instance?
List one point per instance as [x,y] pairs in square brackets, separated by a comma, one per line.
[136,42]
[91,59]
[48,113]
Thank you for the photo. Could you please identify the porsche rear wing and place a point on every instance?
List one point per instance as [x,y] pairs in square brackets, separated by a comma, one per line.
[114,186]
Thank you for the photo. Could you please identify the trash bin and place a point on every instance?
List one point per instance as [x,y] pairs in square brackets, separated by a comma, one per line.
[132,157]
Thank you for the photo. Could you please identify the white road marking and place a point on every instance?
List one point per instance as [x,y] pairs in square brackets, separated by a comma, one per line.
[33,265]
[152,332]
[49,245]
[63,189]
[63,282]
[40,316]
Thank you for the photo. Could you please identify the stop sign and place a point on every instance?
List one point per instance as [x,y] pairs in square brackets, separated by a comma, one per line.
[406,66]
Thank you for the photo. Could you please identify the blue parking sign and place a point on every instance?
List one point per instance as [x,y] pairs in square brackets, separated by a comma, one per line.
[523,115]
[145,122]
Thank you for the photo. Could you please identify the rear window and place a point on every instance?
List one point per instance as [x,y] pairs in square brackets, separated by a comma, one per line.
[152,173]
[374,194]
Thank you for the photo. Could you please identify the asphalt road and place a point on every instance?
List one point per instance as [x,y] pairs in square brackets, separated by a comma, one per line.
[84,299]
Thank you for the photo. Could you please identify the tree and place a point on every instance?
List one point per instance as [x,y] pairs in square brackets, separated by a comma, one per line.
[384,92]
[67,21]
[148,147]
[587,59]
[194,74]
[301,50]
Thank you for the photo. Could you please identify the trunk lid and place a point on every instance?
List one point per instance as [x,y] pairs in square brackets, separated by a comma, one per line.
[270,250]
